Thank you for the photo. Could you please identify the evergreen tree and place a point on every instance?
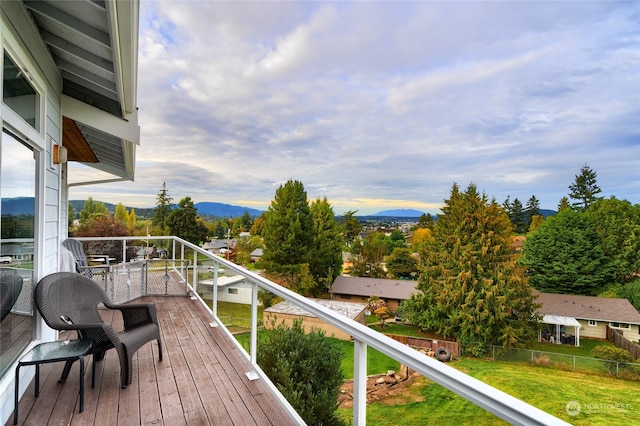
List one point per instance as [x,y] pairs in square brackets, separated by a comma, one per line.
[426,221]
[532,209]
[71,216]
[565,256]
[617,224]
[351,226]
[325,260]
[162,210]
[563,204]
[183,222]
[305,367]
[584,189]
[244,222]
[288,235]
[471,287]
[518,217]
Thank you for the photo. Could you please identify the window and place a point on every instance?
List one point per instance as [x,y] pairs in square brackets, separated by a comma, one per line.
[620,325]
[17,213]
[233,291]
[593,323]
[19,94]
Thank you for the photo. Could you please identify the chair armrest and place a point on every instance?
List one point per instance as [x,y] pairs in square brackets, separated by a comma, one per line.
[137,314]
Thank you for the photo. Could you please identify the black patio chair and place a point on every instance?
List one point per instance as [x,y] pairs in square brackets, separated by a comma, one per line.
[10,288]
[70,301]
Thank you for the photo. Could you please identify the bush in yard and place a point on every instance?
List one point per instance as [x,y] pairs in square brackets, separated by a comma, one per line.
[610,353]
[306,370]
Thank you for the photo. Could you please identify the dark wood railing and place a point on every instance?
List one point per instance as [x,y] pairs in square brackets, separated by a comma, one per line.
[428,344]
[618,339]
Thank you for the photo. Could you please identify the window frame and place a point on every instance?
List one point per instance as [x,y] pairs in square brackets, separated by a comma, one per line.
[620,326]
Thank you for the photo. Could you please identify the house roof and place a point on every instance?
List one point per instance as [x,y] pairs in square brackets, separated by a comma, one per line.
[588,307]
[224,281]
[367,287]
[347,309]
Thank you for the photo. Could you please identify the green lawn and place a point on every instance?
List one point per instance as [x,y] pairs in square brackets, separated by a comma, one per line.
[604,400]
[235,316]
[585,349]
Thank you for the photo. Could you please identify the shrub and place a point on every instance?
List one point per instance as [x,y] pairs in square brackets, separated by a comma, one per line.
[306,370]
[542,360]
[611,353]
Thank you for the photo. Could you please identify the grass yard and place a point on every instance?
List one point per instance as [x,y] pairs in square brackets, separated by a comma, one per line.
[235,316]
[585,349]
[604,400]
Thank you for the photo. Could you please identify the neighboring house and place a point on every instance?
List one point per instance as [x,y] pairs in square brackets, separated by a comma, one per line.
[588,316]
[219,246]
[287,312]
[518,243]
[256,255]
[234,289]
[359,289]
[347,261]
[69,85]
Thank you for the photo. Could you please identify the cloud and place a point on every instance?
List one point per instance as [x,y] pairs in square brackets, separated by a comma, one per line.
[366,102]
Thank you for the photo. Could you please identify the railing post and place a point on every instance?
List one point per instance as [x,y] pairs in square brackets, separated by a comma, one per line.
[195,271]
[214,296]
[359,383]
[252,375]
[182,264]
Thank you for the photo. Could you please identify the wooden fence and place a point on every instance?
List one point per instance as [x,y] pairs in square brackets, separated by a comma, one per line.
[618,339]
[421,343]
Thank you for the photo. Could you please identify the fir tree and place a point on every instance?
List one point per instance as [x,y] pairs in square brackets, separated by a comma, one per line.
[471,288]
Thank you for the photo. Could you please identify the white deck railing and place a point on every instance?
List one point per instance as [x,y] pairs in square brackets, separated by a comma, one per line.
[185,262]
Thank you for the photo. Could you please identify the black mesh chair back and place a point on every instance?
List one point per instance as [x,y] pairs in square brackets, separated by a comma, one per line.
[10,288]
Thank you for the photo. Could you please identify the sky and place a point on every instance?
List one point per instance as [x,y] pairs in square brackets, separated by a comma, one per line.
[383,105]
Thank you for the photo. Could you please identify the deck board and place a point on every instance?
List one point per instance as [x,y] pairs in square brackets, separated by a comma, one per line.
[201,380]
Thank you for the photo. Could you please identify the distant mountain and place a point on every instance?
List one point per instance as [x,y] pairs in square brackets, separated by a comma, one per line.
[399,213]
[224,210]
[546,213]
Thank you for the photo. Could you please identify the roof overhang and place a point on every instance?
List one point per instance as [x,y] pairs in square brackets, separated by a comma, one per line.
[94,44]
[560,320]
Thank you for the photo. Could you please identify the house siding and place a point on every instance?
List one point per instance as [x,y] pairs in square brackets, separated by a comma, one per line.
[599,331]
[20,37]
[311,322]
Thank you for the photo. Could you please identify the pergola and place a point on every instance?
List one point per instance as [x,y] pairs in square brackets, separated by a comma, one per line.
[559,321]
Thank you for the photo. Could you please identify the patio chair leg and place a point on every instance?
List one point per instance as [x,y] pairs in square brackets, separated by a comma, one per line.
[65,371]
[159,350]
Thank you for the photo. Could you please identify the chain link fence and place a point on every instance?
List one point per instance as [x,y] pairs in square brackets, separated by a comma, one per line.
[626,370]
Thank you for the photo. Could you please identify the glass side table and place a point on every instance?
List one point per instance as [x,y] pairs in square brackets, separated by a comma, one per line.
[60,350]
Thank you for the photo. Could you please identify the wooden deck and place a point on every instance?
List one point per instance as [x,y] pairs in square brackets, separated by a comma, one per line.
[201,381]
